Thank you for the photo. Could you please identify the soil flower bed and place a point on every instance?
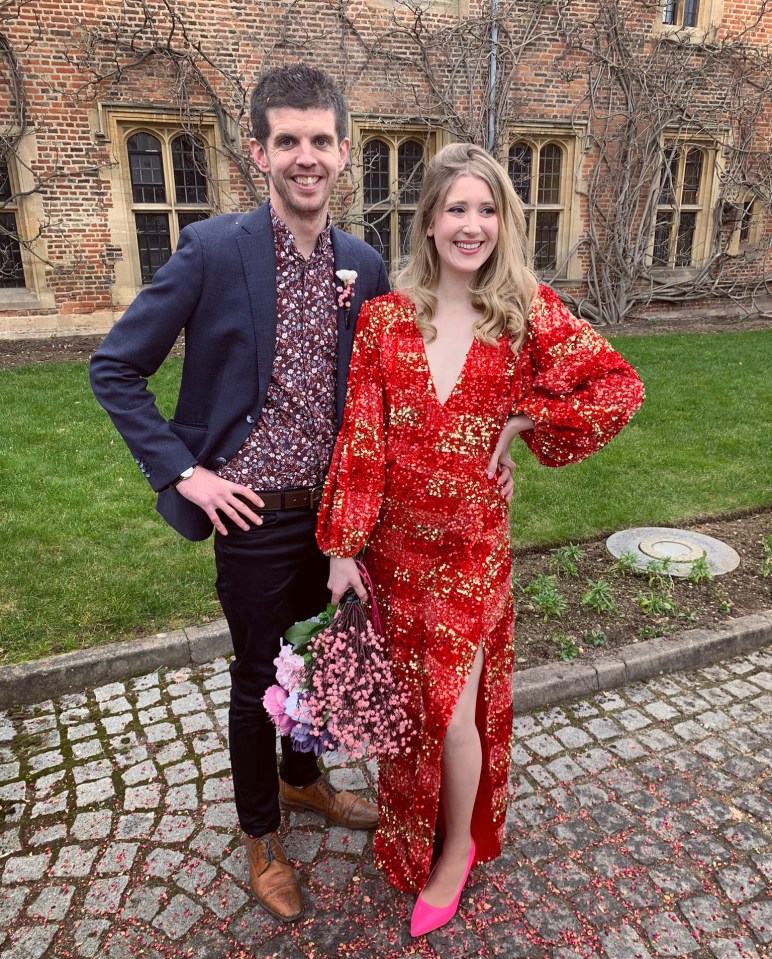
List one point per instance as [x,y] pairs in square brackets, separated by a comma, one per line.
[579,602]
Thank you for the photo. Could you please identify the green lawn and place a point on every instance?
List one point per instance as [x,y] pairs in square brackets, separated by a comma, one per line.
[699,445]
[84,558]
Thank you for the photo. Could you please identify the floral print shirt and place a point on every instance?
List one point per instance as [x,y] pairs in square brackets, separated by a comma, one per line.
[290,446]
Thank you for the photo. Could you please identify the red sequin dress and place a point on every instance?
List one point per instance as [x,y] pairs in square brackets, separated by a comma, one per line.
[408,480]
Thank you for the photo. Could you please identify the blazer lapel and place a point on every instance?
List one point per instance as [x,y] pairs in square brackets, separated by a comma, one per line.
[258,260]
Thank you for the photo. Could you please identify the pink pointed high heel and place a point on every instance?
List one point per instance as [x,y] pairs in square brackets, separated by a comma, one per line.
[426,918]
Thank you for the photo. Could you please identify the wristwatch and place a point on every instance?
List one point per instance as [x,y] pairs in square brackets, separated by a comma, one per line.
[185,474]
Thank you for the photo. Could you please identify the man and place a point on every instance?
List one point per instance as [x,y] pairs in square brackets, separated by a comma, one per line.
[267,346]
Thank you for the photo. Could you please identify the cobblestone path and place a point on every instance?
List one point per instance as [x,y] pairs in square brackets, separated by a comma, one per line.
[641,827]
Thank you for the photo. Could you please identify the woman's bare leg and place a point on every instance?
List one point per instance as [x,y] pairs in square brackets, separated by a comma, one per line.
[461,765]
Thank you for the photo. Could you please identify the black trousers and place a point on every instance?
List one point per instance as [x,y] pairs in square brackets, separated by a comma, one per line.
[267,578]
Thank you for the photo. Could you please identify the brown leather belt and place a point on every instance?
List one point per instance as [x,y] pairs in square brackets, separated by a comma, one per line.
[310,496]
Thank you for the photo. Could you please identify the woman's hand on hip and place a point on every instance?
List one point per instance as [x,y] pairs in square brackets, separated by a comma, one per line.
[500,461]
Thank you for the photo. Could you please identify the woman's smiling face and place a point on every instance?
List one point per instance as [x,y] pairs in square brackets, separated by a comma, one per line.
[466,229]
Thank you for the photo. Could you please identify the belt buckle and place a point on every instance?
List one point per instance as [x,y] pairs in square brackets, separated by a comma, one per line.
[315,496]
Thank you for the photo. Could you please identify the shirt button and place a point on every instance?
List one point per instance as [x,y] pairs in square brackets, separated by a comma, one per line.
[250,419]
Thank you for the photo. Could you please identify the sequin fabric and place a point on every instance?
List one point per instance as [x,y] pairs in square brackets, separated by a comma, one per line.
[291,444]
[408,479]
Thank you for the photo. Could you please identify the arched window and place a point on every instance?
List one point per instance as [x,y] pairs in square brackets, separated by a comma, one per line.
[169,190]
[392,174]
[536,170]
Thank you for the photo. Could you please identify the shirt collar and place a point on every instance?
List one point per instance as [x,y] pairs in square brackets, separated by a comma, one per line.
[285,241]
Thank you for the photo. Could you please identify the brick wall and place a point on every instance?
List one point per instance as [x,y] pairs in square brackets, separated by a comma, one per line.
[75,58]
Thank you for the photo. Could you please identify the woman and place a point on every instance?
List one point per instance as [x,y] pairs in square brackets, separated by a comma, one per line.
[470,348]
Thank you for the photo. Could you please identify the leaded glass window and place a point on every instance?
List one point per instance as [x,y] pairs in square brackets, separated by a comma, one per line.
[147,171]
[11,266]
[169,190]
[679,205]
[536,171]
[680,13]
[189,165]
[392,174]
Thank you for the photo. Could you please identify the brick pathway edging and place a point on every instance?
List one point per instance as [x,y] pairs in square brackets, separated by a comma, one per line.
[42,679]
[534,688]
[554,683]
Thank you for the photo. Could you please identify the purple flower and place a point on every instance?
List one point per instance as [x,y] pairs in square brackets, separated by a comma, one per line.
[324,742]
[302,740]
[305,741]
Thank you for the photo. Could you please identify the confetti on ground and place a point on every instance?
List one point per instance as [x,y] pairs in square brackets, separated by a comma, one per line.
[640,827]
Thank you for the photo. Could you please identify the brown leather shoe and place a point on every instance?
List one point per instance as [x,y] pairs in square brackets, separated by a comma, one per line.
[336,806]
[274,882]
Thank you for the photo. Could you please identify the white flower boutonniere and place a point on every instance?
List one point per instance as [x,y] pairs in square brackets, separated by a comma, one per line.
[345,291]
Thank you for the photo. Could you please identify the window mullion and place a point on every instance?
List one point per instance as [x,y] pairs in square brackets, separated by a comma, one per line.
[394,199]
[171,187]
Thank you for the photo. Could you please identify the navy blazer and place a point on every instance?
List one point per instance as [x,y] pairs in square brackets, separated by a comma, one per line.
[220,287]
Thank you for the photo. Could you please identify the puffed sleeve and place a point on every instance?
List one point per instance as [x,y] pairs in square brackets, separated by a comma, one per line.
[353,491]
[577,389]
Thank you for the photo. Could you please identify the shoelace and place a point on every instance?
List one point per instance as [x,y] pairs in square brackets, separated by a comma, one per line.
[270,854]
[328,787]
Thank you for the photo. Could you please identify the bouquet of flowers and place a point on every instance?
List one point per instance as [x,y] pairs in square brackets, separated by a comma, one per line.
[335,689]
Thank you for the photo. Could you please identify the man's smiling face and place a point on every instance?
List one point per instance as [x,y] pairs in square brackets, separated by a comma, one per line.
[302,159]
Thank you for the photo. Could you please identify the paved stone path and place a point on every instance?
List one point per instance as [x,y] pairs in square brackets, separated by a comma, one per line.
[641,828]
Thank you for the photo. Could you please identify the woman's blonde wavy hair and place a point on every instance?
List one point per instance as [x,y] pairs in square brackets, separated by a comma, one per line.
[503,288]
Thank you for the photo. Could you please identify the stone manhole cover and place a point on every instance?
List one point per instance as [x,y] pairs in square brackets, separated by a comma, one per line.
[682,547]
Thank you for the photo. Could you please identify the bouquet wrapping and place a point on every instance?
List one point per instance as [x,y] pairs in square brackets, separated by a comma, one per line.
[334,686]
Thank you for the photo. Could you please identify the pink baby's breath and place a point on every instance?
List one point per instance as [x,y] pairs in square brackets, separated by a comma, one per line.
[340,694]
[353,693]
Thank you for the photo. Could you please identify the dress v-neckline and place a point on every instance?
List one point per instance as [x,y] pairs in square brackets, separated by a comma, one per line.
[443,403]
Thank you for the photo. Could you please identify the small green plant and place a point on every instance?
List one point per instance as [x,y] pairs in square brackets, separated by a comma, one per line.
[564,560]
[651,632]
[546,598]
[567,647]
[660,573]
[725,604]
[700,571]
[596,637]
[599,596]
[655,604]
[766,563]
[550,602]
[626,564]
[540,582]
[690,618]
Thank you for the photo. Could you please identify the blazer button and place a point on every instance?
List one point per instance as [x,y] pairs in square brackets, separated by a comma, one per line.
[250,419]
[221,461]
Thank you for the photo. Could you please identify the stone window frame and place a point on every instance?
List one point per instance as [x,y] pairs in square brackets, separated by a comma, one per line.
[114,124]
[30,215]
[395,134]
[457,8]
[569,138]
[703,207]
[707,16]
